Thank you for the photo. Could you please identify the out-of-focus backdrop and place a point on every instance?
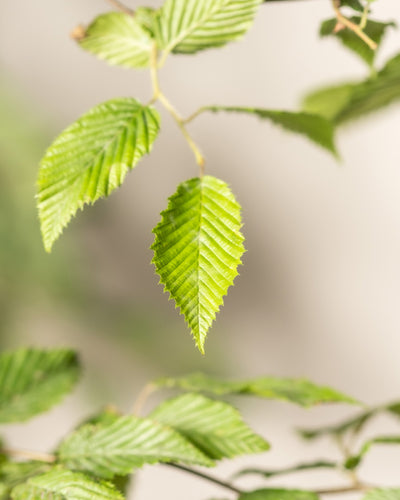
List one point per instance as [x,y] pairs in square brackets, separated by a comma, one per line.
[318,295]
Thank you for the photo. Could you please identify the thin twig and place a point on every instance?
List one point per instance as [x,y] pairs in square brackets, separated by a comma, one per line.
[211,479]
[352,26]
[344,489]
[120,6]
[31,455]
[142,398]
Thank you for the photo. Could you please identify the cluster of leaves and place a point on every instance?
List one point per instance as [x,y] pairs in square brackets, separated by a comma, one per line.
[198,244]
[189,429]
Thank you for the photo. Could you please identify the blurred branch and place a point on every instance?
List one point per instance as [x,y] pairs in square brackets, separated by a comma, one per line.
[120,6]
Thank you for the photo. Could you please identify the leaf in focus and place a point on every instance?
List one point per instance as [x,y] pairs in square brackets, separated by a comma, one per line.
[313,126]
[197,249]
[343,103]
[126,443]
[383,494]
[216,428]
[61,484]
[309,466]
[298,391]
[33,380]
[187,26]
[90,159]
[374,29]
[119,39]
[279,494]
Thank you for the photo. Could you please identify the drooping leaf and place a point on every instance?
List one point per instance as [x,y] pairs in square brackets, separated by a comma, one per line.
[187,26]
[374,29]
[14,473]
[355,460]
[127,443]
[119,39]
[33,380]
[90,159]
[298,391]
[308,466]
[216,428]
[279,494]
[197,249]
[343,103]
[383,494]
[62,484]
[313,126]
[353,425]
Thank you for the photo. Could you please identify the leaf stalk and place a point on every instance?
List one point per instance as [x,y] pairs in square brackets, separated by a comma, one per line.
[352,26]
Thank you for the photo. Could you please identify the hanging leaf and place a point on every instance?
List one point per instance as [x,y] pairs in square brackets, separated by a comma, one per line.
[197,249]
[279,494]
[33,380]
[374,29]
[216,428]
[90,159]
[313,126]
[62,484]
[124,444]
[298,391]
[119,39]
[187,26]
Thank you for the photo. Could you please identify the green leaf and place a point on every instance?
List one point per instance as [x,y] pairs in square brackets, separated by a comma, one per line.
[299,391]
[90,159]
[14,473]
[313,126]
[216,428]
[32,381]
[320,464]
[354,461]
[119,39]
[353,4]
[383,494]
[187,26]
[374,29]
[279,494]
[65,485]
[197,249]
[126,443]
[343,103]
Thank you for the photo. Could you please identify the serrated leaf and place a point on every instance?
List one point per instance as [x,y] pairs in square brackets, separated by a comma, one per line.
[298,391]
[127,443]
[216,428]
[374,29]
[65,485]
[187,26]
[14,473]
[90,159]
[308,466]
[119,39]
[279,494]
[197,249]
[33,380]
[313,126]
[343,103]
[383,494]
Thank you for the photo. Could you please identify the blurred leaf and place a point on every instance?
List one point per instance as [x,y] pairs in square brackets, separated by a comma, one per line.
[124,444]
[314,127]
[119,39]
[328,101]
[91,158]
[299,391]
[14,473]
[32,381]
[279,494]
[353,4]
[193,25]
[374,29]
[354,461]
[383,494]
[216,428]
[320,464]
[197,249]
[65,485]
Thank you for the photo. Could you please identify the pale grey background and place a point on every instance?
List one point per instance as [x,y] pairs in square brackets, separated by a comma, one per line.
[319,291]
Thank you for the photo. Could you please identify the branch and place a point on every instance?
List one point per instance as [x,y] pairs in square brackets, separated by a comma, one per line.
[355,28]
[120,6]
[211,479]
[344,489]
[31,455]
